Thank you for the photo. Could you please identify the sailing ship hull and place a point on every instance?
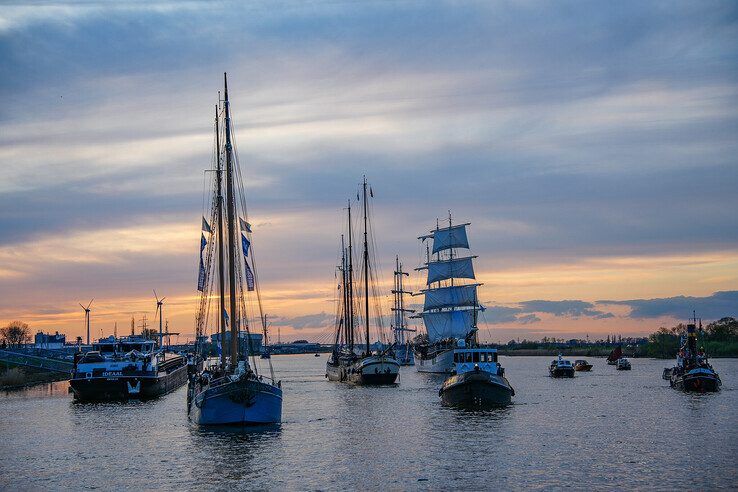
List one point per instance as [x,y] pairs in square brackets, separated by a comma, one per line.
[243,402]
[106,386]
[337,371]
[697,380]
[561,372]
[374,370]
[440,363]
[477,389]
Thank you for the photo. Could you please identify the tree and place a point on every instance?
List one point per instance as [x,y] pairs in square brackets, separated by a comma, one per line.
[723,330]
[16,333]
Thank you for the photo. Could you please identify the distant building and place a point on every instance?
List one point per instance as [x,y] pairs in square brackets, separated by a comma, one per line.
[49,341]
[248,342]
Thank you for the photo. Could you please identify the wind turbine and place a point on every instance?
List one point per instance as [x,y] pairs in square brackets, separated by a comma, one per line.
[159,309]
[87,318]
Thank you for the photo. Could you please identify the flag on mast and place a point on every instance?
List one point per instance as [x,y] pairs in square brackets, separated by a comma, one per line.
[201,277]
[205,225]
[245,243]
[249,276]
[245,226]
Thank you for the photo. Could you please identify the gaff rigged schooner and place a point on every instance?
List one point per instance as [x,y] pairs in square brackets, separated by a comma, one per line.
[231,391]
[352,358]
[450,308]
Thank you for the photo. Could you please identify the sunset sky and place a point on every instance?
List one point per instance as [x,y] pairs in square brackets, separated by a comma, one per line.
[592,145]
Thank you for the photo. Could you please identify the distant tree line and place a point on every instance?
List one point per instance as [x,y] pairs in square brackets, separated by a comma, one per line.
[719,339]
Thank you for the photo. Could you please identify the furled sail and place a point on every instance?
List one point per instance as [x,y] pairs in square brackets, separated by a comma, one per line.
[446,297]
[448,324]
[446,269]
[450,237]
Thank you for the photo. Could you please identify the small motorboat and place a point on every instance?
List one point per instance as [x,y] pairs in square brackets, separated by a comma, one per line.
[477,380]
[317,355]
[561,368]
[692,371]
[622,364]
[582,365]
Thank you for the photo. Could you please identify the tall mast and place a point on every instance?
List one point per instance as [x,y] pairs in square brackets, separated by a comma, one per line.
[344,293]
[350,327]
[221,263]
[366,275]
[231,201]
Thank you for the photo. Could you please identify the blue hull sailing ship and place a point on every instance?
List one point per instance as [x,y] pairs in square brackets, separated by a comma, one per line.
[345,364]
[450,308]
[230,392]
[403,349]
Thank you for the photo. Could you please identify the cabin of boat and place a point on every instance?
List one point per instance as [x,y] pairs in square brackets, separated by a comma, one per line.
[582,365]
[477,379]
[561,368]
[128,367]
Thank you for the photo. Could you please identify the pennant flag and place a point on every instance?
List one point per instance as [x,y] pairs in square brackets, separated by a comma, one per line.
[371,193]
[245,226]
[205,225]
[201,277]
[249,277]
[225,315]
[203,243]
[245,243]
[357,196]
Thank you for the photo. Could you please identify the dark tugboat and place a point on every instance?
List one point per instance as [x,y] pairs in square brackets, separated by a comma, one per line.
[561,368]
[692,371]
[477,379]
[582,365]
[123,368]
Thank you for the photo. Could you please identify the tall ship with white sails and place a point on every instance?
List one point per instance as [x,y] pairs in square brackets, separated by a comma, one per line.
[451,305]
[352,358]
[231,391]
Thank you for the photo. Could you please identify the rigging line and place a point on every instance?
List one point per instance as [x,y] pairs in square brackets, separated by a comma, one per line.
[241,192]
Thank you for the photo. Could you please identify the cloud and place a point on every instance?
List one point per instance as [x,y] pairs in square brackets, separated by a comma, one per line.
[715,306]
[572,309]
[586,136]
[307,321]
[525,312]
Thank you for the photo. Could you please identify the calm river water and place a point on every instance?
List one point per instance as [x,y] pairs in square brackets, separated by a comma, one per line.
[601,430]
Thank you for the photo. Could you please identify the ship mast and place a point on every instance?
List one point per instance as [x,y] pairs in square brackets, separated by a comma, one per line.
[366,275]
[221,263]
[231,202]
[350,327]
